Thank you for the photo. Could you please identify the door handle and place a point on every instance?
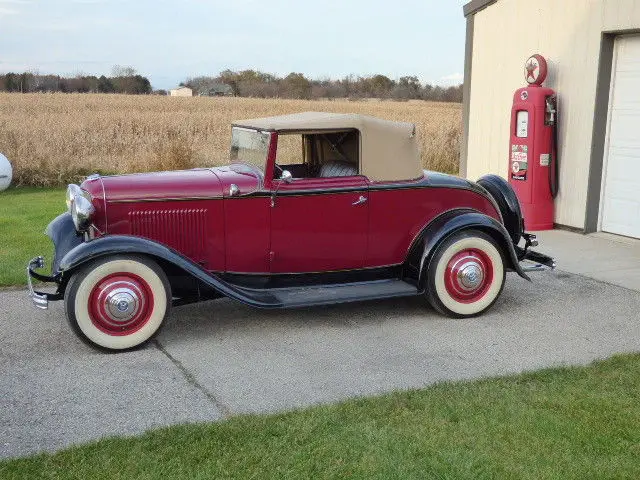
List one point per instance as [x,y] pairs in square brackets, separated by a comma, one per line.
[360,200]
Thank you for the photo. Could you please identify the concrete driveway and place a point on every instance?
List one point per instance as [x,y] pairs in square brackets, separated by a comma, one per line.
[219,358]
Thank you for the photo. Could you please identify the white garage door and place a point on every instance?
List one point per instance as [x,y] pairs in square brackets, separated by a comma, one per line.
[621,193]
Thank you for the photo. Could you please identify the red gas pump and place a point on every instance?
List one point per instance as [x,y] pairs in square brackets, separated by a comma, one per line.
[533,163]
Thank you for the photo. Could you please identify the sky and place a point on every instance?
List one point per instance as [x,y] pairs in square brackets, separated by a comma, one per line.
[169,41]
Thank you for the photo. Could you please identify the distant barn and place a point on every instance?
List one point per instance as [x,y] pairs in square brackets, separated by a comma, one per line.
[181,92]
[216,90]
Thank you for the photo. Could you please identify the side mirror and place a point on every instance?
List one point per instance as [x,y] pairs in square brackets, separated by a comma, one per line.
[286,176]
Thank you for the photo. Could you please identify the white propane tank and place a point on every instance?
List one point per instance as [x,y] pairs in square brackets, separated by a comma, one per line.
[6,173]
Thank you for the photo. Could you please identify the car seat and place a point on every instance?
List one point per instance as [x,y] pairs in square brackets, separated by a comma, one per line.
[338,169]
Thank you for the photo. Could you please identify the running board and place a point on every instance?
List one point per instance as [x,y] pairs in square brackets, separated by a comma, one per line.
[329,294]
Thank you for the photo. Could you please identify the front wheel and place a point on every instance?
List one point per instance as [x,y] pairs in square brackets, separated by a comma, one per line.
[466,274]
[117,303]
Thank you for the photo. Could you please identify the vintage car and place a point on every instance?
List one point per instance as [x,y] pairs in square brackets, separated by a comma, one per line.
[314,208]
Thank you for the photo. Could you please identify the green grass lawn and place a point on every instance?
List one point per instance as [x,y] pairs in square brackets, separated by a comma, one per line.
[24,214]
[568,423]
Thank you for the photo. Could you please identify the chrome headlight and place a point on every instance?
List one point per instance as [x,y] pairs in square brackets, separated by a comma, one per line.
[80,207]
[73,191]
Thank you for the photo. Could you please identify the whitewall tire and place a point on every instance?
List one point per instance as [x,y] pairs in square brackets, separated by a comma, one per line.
[119,302]
[466,274]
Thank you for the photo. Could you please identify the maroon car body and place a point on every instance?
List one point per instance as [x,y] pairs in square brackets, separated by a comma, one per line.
[330,227]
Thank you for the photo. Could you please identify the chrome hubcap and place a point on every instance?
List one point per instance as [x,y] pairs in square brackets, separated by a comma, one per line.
[470,276]
[122,304]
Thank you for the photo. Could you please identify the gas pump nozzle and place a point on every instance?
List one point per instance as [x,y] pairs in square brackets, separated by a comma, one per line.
[550,110]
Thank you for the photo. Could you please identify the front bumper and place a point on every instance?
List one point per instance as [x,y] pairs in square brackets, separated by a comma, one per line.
[40,299]
[63,234]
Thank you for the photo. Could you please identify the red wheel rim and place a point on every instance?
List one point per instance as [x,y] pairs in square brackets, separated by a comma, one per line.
[120,304]
[469,275]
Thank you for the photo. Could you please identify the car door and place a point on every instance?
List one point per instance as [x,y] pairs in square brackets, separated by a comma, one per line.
[319,224]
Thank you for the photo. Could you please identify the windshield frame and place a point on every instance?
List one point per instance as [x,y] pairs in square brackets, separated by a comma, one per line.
[255,167]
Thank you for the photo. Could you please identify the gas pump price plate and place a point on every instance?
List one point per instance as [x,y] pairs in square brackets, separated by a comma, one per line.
[545,159]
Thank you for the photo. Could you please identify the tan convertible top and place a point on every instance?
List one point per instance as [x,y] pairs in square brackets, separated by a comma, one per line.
[388,150]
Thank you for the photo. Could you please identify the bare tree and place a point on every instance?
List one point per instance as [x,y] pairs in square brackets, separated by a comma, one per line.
[123,71]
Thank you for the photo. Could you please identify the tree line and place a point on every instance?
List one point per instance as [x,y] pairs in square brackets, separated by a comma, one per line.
[122,80]
[245,83]
[253,83]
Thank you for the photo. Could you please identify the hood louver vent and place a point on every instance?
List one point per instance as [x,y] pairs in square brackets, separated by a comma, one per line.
[183,230]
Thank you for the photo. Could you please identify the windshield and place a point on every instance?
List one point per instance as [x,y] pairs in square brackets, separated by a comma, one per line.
[250,147]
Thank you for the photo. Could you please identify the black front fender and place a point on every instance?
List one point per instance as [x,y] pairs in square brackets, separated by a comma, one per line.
[126,244]
[447,224]
[64,236]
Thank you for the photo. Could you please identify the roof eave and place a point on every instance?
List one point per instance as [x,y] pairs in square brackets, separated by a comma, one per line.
[474,6]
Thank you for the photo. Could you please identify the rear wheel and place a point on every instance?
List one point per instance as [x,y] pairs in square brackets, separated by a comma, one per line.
[466,274]
[117,303]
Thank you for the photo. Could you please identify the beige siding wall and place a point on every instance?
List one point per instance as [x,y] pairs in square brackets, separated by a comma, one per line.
[181,92]
[567,33]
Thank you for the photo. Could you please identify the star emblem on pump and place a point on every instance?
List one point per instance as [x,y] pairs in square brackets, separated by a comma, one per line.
[535,70]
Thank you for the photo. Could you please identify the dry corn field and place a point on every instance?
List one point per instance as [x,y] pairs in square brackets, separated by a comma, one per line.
[53,139]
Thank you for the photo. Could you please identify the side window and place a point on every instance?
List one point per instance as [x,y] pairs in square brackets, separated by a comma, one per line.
[319,154]
[291,155]
[290,151]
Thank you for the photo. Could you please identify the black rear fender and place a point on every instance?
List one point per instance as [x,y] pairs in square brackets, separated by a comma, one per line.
[507,201]
[444,226]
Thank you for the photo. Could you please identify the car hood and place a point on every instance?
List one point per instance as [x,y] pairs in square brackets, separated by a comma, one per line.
[201,183]
[182,184]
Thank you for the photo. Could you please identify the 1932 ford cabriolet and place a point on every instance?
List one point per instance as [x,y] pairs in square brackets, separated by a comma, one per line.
[314,208]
